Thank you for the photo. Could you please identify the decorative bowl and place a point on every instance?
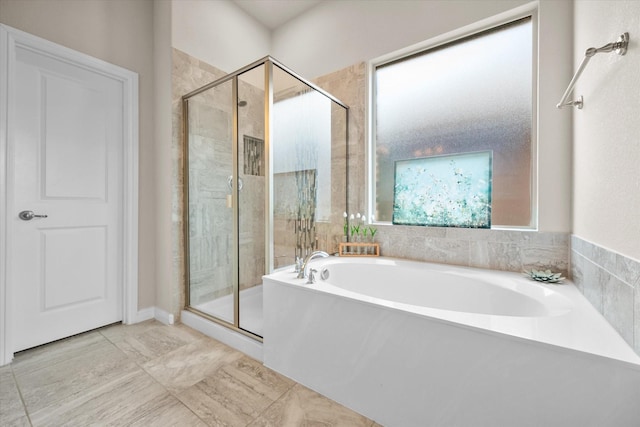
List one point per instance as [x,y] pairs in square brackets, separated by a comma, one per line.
[546,276]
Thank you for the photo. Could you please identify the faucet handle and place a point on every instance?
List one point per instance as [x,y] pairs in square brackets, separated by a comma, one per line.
[311,279]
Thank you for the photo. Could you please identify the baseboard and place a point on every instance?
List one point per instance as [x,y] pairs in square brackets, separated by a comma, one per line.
[144,314]
[163,316]
[154,313]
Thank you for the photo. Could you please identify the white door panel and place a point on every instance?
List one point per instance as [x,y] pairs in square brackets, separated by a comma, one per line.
[68,152]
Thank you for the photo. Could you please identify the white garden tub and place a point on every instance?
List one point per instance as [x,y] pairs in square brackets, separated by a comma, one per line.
[418,344]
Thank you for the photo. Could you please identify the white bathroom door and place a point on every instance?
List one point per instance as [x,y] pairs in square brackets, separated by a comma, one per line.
[66,198]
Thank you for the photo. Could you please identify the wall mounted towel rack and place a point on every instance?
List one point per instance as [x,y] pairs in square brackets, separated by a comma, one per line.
[619,47]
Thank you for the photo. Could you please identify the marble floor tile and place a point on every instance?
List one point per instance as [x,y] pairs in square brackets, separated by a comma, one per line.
[11,407]
[118,332]
[235,394]
[46,355]
[224,400]
[167,411]
[155,342]
[150,374]
[113,403]
[189,364]
[301,406]
[18,422]
[78,375]
[258,377]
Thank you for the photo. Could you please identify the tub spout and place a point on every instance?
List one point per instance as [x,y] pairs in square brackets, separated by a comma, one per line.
[316,254]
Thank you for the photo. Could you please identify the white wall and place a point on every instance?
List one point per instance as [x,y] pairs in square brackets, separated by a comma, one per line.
[218,33]
[336,34]
[163,156]
[606,159]
[119,32]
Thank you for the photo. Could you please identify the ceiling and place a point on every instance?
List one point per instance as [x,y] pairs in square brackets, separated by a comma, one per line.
[273,13]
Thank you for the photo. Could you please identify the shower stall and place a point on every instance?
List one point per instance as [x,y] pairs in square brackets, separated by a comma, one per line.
[265,183]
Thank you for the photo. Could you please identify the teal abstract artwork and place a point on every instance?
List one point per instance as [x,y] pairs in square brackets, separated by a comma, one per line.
[444,191]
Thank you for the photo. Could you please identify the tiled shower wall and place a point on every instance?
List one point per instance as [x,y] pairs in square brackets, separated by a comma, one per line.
[187,74]
[210,159]
[611,282]
[210,220]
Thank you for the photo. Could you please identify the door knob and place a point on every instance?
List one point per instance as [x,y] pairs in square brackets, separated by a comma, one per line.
[29,215]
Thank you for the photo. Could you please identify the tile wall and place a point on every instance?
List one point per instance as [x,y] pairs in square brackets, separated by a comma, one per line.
[493,249]
[611,282]
[188,74]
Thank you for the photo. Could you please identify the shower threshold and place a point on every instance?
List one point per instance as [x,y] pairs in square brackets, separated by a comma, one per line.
[250,309]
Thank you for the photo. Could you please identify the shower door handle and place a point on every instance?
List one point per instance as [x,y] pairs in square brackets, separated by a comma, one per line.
[230,183]
[29,215]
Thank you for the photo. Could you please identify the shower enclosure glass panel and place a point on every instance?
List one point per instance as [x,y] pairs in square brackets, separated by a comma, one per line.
[302,148]
[265,183]
[210,222]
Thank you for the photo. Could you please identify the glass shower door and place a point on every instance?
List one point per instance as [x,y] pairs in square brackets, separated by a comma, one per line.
[211,254]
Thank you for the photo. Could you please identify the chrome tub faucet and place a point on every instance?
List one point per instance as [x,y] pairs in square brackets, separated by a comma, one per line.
[302,274]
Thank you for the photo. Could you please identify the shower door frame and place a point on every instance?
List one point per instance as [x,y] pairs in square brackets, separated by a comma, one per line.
[269,63]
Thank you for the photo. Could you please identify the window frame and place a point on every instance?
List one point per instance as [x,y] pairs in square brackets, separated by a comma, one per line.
[471,30]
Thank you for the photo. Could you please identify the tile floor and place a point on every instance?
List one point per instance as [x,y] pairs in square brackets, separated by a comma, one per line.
[150,374]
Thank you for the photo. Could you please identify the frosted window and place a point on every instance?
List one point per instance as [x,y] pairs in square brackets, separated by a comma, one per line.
[470,95]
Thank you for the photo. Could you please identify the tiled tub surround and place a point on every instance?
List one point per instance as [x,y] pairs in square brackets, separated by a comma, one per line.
[505,250]
[611,282]
[361,339]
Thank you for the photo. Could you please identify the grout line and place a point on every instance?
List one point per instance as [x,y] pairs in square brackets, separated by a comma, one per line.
[274,401]
[24,405]
[154,379]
